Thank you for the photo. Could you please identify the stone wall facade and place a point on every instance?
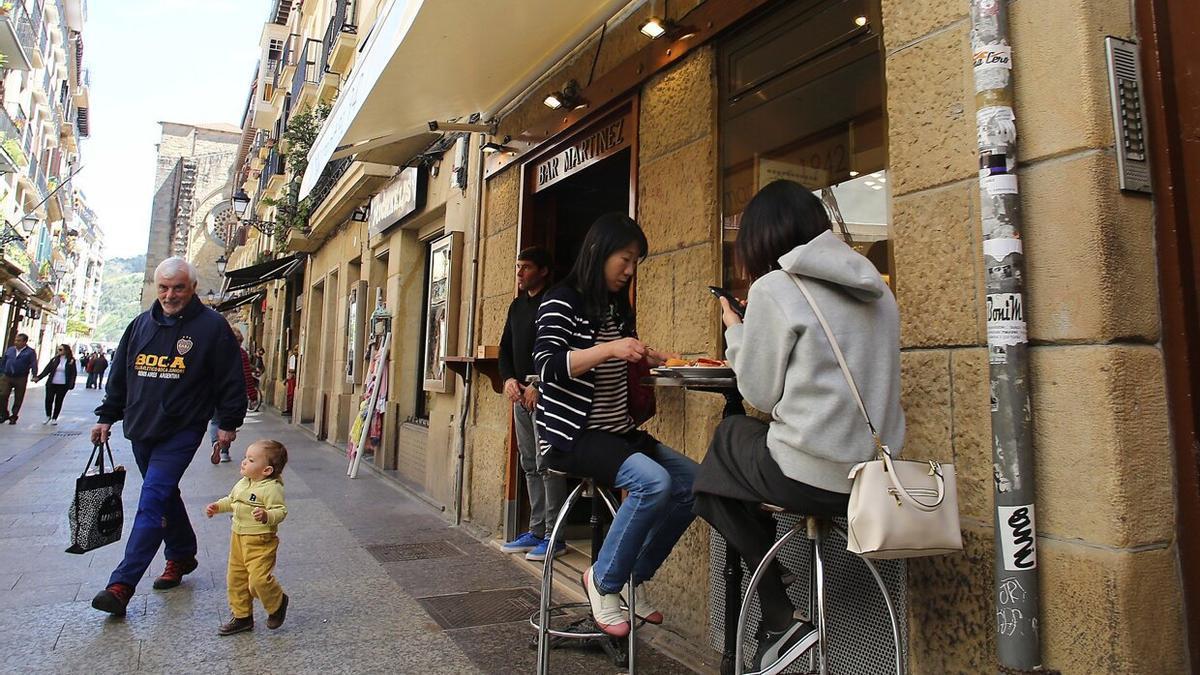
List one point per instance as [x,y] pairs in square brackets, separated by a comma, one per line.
[1111,596]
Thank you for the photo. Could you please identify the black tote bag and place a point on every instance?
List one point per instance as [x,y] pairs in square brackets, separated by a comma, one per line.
[97,514]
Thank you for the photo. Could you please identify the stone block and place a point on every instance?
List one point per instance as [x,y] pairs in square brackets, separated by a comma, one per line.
[972,432]
[1102,445]
[1090,263]
[1060,75]
[655,301]
[677,197]
[926,396]
[951,614]
[704,413]
[679,588]
[939,267]
[499,263]
[670,419]
[931,112]
[503,201]
[493,311]
[1106,611]
[697,323]
[678,106]
[489,457]
[905,21]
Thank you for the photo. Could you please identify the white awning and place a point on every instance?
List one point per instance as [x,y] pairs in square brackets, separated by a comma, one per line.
[441,59]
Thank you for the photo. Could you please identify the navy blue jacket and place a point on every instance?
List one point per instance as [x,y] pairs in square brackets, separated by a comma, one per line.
[19,366]
[169,374]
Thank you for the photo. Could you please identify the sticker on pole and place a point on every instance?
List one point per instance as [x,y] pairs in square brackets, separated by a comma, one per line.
[1017,532]
[993,67]
[1006,320]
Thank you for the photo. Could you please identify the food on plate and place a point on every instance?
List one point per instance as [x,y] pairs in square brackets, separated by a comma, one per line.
[697,363]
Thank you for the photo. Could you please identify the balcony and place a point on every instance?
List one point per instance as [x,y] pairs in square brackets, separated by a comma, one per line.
[307,75]
[18,38]
[343,185]
[12,157]
[341,38]
[284,70]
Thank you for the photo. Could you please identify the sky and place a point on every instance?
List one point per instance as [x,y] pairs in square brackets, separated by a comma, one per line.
[152,61]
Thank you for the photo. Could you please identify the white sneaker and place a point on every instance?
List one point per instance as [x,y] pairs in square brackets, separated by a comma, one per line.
[46,422]
[54,422]
[645,611]
[606,609]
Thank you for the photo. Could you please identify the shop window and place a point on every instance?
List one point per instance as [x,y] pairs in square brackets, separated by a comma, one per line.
[802,98]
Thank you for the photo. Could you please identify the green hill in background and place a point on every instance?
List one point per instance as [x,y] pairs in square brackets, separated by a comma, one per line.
[120,297]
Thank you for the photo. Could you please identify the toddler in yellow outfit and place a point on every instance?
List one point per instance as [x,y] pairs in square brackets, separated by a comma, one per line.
[257,506]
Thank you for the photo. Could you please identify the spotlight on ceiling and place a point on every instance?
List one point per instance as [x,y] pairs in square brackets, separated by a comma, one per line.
[567,97]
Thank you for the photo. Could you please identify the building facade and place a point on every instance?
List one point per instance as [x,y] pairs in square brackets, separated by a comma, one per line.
[44,114]
[872,103]
[85,252]
[191,192]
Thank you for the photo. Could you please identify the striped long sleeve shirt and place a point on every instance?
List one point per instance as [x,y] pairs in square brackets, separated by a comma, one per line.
[566,402]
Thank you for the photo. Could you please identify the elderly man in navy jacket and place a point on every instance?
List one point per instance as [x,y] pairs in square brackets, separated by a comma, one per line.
[19,361]
[176,365]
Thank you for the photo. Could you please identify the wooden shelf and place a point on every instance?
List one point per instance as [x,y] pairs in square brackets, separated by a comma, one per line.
[489,367]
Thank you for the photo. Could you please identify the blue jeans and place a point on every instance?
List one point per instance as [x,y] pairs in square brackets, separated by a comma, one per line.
[652,518]
[161,516]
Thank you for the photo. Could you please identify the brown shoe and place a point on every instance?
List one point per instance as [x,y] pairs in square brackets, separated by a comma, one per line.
[113,599]
[275,619]
[215,457]
[173,574]
[236,625]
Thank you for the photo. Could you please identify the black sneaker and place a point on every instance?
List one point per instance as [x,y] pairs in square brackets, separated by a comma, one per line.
[777,650]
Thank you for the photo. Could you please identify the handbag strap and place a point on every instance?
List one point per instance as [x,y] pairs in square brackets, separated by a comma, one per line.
[97,456]
[841,359]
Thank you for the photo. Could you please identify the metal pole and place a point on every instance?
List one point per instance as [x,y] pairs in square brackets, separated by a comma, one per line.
[1016,576]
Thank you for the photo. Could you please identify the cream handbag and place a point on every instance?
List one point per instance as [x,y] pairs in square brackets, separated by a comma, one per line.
[898,508]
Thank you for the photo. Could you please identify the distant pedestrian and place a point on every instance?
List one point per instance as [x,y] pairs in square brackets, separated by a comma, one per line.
[220,449]
[257,505]
[96,368]
[61,369]
[19,362]
[293,366]
[84,364]
[176,363]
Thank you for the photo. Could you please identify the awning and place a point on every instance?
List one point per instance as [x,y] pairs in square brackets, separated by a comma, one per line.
[234,303]
[260,273]
[431,60]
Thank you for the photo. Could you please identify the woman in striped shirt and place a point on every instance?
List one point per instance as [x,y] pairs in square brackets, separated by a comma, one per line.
[584,347]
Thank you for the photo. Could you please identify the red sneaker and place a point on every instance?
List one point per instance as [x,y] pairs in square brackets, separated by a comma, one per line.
[172,576]
[113,599]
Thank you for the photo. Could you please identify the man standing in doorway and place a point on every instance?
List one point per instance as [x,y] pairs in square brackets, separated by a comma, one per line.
[176,363]
[546,492]
[19,361]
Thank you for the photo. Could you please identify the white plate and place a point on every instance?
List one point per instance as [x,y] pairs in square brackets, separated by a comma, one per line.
[702,371]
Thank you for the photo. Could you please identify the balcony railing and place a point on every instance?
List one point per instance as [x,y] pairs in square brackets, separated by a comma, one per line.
[329,177]
[343,21]
[308,67]
[9,126]
[27,30]
[291,51]
[276,165]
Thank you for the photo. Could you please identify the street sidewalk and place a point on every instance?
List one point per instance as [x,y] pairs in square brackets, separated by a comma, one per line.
[378,581]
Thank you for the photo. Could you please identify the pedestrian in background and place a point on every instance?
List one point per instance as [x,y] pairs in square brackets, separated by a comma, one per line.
[293,364]
[257,505]
[220,449]
[546,491]
[84,364]
[176,363]
[61,370]
[19,362]
[96,367]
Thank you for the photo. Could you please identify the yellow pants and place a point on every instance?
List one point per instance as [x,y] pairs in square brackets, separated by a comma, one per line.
[251,563]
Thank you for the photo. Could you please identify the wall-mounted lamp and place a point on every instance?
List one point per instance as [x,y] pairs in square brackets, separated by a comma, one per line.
[655,27]
[493,147]
[860,21]
[222,263]
[568,98]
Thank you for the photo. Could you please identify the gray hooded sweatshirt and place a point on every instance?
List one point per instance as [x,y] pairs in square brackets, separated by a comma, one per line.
[785,365]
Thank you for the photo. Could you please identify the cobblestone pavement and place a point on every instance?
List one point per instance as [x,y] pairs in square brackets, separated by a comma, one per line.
[378,581]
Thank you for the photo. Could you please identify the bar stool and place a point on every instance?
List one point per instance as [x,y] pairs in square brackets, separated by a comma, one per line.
[540,620]
[817,529]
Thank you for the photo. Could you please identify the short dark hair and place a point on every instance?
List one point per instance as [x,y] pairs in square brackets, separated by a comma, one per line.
[22,335]
[782,216]
[536,255]
[609,234]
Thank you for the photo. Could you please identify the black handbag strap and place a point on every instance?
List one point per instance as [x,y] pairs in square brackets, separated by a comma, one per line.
[97,456]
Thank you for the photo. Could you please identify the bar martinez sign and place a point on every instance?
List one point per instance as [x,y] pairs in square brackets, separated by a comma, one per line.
[598,142]
[401,198]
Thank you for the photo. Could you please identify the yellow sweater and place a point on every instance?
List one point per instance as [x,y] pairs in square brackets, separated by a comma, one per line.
[247,496]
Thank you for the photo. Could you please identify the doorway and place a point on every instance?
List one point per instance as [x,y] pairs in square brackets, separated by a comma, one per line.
[592,171]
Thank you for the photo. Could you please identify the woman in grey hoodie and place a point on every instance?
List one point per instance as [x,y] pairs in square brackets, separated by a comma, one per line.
[785,367]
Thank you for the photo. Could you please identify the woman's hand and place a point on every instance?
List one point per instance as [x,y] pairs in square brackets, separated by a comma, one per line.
[627,349]
[657,358]
[728,316]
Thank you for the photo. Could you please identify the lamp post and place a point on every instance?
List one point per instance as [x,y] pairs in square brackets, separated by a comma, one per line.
[210,297]
[222,263]
[241,202]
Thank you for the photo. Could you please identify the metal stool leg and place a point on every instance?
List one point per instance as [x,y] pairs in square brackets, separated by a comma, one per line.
[543,658]
[744,615]
[632,637]
[822,654]
[891,608]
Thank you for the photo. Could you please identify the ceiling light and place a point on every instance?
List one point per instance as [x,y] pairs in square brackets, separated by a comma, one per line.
[869,183]
[860,21]
[877,174]
[882,179]
[654,27]
[552,101]
[853,174]
[876,187]
[567,97]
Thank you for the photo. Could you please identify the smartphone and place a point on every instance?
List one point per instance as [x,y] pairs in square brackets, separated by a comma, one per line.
[734,303]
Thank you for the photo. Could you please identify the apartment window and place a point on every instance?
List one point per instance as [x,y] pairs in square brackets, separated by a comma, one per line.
[802,98]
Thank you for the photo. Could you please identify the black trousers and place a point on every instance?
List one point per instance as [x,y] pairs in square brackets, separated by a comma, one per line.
[55,393]
[738,474]
[15,385]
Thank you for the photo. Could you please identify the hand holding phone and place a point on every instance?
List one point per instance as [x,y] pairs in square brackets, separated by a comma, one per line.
[736,305]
